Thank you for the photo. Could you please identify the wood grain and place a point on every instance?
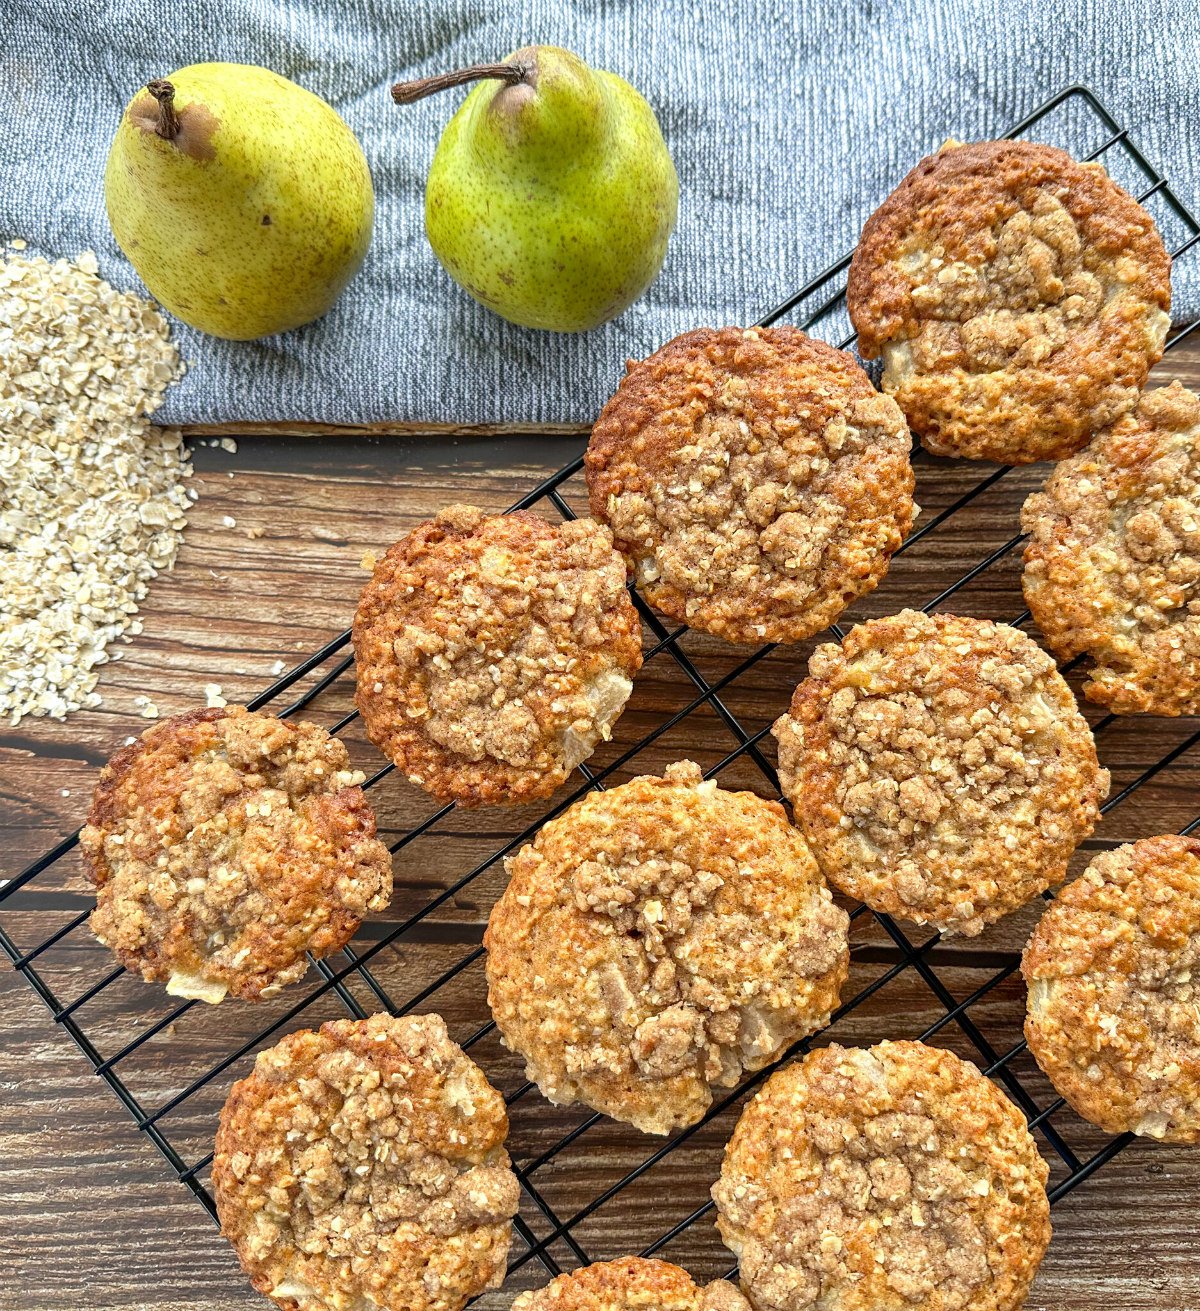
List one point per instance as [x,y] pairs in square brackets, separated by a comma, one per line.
[93,1216]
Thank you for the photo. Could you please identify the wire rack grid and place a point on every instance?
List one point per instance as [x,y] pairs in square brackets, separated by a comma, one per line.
[140,1046]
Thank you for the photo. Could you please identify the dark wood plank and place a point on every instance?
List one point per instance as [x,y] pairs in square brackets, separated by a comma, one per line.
[94,1215]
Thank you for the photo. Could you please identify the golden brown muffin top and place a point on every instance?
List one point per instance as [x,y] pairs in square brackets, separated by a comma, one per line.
[1113,567]
[755,480]
[1019,300]
[364,1164]
[494,652]
[658,939]
[895,1178]
[631,1283]
[940,768]
[224,845]
[1113,970]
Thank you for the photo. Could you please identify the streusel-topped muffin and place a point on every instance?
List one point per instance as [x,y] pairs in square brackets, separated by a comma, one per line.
[225,844]
[755,480]
[1113,970]
[939,767]
[363,1164]
[493,652]
[656,941]
[895,1178]
[1112,569]
[1019,300]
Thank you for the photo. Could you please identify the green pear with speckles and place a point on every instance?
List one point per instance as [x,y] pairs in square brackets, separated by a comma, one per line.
[242,200]
[551,195]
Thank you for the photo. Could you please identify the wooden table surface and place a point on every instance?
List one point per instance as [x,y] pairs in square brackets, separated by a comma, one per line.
[92,1214]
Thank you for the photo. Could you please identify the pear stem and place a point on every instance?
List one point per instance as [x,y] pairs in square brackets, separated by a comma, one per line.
[168,119]
[405,93]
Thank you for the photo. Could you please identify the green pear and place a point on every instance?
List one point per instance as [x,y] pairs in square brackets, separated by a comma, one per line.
[551,195]
[243,201]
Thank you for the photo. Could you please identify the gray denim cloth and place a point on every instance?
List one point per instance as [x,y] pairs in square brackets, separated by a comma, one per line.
[788,122]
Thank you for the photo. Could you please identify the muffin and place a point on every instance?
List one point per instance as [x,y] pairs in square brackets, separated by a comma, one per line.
[631,1283]
[363,1165]
[754,479]
[895,1178]
[939,768]
[225,844]
[494,652]
[1113,561]
[1113,998]
[656,941]
[1019,300]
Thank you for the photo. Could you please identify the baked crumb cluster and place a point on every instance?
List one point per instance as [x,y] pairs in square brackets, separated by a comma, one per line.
[363,1166]
[939,767]
[225,845]
[754,478]
[1113,970]
[657,940]
[631,1283]
[882,1180]
[494,653]
[1113,566]
[1018,298]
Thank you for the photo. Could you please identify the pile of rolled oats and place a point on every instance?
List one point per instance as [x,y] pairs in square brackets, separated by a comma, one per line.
[92,495]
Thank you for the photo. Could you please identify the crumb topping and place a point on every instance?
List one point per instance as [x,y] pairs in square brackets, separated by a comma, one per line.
[226,844]
[657,940]
[1113,970]
[755,480]
[885,1179]
[631,1283]
[494,653]
[1113,567]
[940,768]
[363,1166]
[1018,298]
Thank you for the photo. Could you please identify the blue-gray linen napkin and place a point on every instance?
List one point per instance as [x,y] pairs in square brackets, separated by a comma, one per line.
[788,122]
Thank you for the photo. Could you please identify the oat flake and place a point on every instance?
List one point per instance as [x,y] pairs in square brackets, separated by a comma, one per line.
[92,502]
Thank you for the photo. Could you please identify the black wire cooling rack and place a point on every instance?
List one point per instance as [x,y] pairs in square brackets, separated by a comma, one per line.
[593,1189]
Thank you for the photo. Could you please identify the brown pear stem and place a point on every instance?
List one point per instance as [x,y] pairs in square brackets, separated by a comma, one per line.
[168,119]
[405,93]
